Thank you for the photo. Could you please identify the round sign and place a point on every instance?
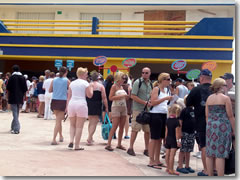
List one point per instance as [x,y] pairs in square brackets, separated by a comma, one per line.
[210,65]
[178,65]
[193,74]
[113,68]
[100,60]
[129,62]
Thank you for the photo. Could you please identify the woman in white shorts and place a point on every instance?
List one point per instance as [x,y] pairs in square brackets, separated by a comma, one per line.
[77,106]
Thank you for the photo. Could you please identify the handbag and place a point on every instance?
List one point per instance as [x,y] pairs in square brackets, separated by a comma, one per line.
[144,117]
[230,162]
[106,127]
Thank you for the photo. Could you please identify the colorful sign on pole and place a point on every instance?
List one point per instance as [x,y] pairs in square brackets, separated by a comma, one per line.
[178,65]
[129,62]
[100,60]
[58,63]
[70,64]
[210,65]
[193,74]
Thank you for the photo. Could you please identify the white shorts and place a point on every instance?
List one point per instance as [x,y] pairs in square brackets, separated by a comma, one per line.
[77,109]
[41,97]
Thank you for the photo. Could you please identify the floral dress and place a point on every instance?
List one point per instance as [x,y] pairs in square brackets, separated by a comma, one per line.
[218,132]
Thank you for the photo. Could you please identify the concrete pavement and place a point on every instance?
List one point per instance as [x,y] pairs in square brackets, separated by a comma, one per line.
[30,153]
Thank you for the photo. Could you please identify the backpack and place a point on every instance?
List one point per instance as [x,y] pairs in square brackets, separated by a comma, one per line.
[205,92]
[140,83]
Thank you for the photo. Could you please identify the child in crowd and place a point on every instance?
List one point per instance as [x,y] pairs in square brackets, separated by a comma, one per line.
[187,121]
[173,135]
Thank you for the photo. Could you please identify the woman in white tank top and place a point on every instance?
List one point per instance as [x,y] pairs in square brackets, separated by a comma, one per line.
[159,99]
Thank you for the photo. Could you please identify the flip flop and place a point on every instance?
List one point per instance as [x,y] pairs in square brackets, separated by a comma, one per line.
[54,143]
[122,148]
[109,148]
[162,165]
[154,166]
[173,173]
[79,149]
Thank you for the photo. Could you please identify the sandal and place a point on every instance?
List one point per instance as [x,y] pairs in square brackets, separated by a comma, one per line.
[173,173]
[122,148]
[109,148]
[79,149]
[54,143]
[162,165]
[154,166]
[89,143]
[61,139]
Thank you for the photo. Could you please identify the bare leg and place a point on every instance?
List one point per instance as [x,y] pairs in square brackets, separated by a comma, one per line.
[209,161]
[121,127]
[115,123]
[58,125]
[93,121]
[126,127]
[79,127]
[146,138]
[157,151]
[167,156]
[72,128]
[171,159]
[187,159]
[133,139]
[204,159]
[220,165]
[180,159]
[152,147]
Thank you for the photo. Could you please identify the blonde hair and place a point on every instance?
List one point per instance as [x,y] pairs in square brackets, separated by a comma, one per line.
[81,71]
[217,85]
[155,83]
[162,76]
[41,78]
[175,109]
[118,76]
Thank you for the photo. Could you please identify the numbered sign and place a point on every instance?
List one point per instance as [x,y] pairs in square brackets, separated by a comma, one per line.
[129,62]
[178,65]
[70,64]
[100,60]
[58,63]
[210,65]
[193,74]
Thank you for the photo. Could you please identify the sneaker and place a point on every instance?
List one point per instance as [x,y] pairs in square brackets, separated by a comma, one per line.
[201,174]
[182,170]
[126,137]
[15,132]
[145,152]
[199,156]
[131,152]
[190,170]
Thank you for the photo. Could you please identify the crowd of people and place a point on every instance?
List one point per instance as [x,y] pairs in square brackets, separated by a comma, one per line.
[181,113]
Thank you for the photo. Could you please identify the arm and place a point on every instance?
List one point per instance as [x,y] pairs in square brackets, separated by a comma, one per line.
[69,97]
[206,110]
[112,95]
[177,91]
[51,87]
[104,98]
[230,113]
[178,136]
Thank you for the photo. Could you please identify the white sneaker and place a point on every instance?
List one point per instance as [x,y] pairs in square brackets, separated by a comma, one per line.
[199,156]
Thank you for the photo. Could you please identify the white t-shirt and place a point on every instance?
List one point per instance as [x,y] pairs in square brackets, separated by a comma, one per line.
[78,88]
[46,84]
[28,86]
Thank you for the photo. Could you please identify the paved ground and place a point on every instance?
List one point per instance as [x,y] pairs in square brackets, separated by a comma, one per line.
[30,153]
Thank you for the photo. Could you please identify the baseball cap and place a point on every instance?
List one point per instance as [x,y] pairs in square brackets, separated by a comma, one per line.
[179,80]
[206,72]
[227,76]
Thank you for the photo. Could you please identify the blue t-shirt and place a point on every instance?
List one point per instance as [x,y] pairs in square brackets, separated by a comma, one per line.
[60,88]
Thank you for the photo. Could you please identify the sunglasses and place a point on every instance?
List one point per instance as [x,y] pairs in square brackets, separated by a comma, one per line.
[167,79]
[144,72]
[225,85]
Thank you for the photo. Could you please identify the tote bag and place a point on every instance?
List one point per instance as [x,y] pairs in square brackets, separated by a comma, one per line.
[230,163]
[106,127]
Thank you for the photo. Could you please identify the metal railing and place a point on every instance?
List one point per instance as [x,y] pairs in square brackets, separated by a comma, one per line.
[95,26]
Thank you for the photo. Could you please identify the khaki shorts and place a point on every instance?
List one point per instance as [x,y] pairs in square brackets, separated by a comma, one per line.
[136,126]
[118,111]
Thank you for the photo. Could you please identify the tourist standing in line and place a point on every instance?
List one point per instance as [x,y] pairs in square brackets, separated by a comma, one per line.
[41,98]
[119,110]
[220,127]
[95,106]
[141,91]
[16,89]
[77,106]
[48,97]
[59,88]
